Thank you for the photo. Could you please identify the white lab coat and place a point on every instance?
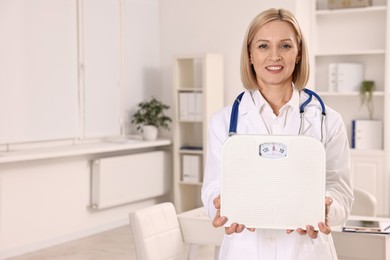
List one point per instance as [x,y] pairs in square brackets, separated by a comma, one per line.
[277,244]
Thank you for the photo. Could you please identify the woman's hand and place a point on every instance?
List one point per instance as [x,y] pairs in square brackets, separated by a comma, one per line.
[323,227]
[219,221]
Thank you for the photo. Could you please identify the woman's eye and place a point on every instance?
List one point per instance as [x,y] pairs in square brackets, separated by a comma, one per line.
[286,46]
[263,46]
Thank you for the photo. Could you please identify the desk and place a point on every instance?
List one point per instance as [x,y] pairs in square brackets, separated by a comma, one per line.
[363,246]
[197,229]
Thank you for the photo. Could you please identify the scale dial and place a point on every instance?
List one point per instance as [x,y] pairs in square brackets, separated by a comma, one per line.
[273,150]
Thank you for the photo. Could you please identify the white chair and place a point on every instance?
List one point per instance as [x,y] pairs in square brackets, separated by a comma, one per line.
[157,234]
[364,203]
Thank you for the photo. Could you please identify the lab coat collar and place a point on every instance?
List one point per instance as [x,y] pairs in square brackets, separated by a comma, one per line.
[254,100]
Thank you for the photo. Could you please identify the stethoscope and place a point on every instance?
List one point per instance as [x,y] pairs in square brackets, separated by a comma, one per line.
[310,93]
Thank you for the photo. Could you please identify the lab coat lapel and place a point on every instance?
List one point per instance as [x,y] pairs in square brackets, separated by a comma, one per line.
[252,123]
[306,126]
[294,123]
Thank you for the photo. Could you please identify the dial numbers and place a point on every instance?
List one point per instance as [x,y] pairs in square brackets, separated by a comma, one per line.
[273,150]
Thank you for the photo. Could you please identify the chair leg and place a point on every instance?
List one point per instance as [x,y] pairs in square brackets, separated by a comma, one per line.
[216,252]
[193,252]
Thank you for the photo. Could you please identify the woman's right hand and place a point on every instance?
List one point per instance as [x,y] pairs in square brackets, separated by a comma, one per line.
[220,221]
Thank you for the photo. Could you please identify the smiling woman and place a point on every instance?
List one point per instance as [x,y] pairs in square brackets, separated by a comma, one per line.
[275,70]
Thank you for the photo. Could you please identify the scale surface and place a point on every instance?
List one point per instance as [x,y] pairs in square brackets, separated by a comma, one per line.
[273,181]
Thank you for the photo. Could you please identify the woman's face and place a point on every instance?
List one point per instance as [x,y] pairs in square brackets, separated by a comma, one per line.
[274,51]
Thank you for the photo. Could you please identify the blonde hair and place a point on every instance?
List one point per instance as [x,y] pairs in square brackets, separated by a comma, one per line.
[300,75]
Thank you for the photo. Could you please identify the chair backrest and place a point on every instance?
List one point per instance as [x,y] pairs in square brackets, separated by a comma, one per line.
[364,203]
[157,234]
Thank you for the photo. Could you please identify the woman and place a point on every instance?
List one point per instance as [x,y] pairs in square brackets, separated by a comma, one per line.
[274,68]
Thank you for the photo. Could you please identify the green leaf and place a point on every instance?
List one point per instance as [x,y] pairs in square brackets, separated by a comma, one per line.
[151,113]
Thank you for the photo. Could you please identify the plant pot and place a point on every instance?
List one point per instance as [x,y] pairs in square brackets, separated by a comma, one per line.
[149,132]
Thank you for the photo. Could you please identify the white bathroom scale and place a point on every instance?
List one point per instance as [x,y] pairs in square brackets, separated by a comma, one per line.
[273,181]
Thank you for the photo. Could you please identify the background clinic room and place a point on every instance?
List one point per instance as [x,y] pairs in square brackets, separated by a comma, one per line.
[82,177]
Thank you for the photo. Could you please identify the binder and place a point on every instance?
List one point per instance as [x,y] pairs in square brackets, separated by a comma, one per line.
[190,106]
[191,168]
[345,77]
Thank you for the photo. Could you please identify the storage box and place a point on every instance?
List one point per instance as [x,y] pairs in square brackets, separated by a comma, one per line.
[367,134]
[337,4]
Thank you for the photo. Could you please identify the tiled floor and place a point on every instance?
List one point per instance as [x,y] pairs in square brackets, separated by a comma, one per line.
[116,244]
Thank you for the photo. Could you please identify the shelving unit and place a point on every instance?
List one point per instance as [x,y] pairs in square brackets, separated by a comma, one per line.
[200,75]
[356,35]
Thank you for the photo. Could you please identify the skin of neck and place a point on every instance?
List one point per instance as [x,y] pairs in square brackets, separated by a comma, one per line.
[276,95]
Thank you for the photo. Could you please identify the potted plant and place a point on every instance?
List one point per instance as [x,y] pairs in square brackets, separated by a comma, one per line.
[366,90]
[149,117]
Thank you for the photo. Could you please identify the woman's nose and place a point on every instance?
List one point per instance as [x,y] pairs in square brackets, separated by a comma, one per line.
[275,56]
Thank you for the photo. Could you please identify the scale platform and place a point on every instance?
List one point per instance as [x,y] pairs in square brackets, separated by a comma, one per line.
[273,181]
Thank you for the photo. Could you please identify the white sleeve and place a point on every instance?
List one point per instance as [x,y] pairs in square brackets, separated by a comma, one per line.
[212,176]
[338,179]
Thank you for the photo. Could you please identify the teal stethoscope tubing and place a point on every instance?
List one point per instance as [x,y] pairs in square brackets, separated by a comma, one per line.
[310,93]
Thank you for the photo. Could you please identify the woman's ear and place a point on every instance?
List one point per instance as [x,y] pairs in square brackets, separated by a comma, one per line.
[299,56]
[298,59]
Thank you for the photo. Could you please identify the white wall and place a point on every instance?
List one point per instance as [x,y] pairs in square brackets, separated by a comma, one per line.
[189,26]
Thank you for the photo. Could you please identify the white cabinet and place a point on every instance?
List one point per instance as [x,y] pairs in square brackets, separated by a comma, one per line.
[367,170]
[198,93]
[355,35]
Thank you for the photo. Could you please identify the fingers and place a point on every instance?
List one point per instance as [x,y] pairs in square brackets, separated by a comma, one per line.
[328,201]
[219,221]
[234,228]
[311,232]
[324,228]
[301,231]
[217,202]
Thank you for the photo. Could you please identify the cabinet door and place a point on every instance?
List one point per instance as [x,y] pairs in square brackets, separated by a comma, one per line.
[368,173]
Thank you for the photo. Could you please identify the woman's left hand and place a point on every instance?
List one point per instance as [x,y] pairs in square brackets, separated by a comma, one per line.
[323,227]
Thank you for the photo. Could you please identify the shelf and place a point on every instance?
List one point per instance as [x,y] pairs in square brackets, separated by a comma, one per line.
[188,151]
[191,183]
[190,90]
[367,152]
[347,94]
[350,53]
[202,76]
[354,10]
[355,35]
[189,121]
